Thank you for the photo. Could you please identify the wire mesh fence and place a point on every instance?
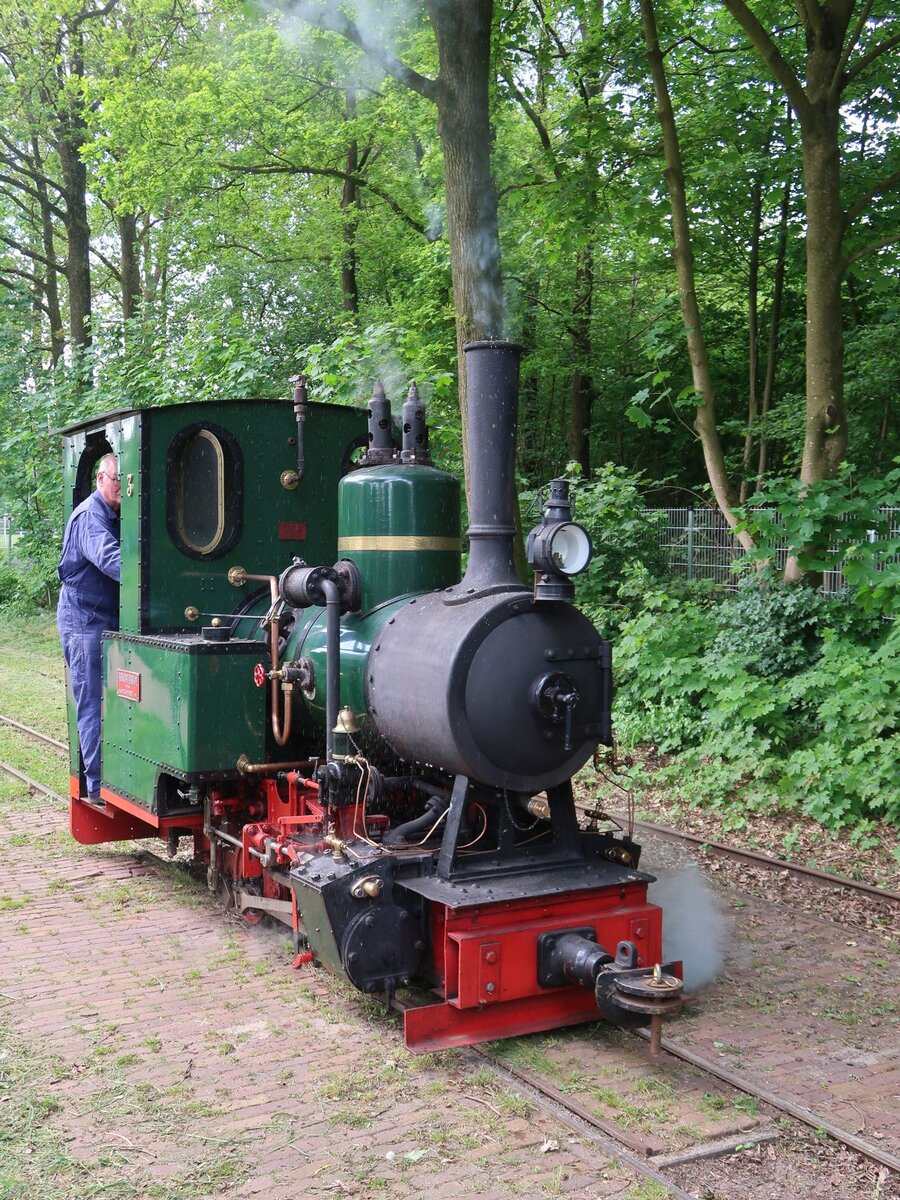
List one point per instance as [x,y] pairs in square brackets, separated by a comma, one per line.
[697,544]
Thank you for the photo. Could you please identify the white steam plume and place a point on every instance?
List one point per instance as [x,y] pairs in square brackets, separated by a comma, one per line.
[695,927]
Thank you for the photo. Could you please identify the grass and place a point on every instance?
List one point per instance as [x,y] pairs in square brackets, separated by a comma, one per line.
[35,1154]
[715,1102]
[31,669]
[646,1191]
[33,690]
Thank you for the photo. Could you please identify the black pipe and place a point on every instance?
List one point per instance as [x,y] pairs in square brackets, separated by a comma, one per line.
[332,661]
[492,375]
[401,834]
[300,398]
[397,783]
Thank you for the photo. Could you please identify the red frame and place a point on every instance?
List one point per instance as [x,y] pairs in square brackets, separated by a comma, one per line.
[486,959]
[119,819]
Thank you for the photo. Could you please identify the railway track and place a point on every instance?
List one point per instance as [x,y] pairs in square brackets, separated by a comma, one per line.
[755,859]
[606,1134]
[35,734]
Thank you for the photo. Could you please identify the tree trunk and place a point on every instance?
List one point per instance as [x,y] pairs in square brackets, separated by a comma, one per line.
[130,266]
[817,104]
[826,417]
[51,279]
[774,326]
[462,29]
[579,439]
[349,207]
[78,238]
[825,440]
[705,420]
[752,334]
[70,136]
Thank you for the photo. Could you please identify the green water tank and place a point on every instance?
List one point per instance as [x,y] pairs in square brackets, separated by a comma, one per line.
[401,526]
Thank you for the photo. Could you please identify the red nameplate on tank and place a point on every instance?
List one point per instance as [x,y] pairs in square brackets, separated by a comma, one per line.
[292,531]
[128,684]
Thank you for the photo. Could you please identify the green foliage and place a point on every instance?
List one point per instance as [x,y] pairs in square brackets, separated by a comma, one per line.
[30,582]
[776,697]
[344,371]
[829,522]
[771,631]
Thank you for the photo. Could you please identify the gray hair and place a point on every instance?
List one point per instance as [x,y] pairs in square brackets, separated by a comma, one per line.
[104,462]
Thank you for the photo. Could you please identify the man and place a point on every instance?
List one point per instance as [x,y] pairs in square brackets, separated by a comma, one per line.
[90,570]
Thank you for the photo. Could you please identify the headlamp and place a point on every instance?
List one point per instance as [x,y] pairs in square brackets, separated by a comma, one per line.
[559,547]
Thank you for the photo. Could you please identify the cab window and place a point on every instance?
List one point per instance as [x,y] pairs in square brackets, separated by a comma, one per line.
[203,485]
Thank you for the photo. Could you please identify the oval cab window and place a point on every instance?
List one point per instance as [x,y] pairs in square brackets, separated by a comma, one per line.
[203,491]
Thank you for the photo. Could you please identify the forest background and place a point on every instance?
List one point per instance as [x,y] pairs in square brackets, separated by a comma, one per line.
[687,213]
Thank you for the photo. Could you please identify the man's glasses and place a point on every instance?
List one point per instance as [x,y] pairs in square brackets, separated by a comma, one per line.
[111,478]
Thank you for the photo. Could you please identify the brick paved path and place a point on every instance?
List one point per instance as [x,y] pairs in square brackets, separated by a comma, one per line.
[184,1059]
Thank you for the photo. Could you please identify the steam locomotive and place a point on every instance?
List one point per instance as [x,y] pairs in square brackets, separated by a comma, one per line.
[362,742]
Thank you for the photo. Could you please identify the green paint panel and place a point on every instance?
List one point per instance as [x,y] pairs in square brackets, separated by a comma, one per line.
[414,512]
[358,634]
[160,578]
[204,727]
[180,706]
[275,524]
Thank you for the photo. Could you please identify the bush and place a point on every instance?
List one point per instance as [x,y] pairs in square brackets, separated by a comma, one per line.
[778,696]
[848,769]
[832,522]
[28,585]
[772,631]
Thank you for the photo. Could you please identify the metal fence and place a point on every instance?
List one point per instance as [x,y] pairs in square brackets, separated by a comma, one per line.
[697,544]
[6,534]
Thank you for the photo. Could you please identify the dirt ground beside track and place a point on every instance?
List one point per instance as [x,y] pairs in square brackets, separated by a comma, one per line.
[155,1049]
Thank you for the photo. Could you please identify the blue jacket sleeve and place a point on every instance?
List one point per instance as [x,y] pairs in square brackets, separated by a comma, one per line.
[100,547]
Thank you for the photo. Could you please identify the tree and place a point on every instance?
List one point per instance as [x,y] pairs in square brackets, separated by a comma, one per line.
[705,419]
[461,94]
[839,53]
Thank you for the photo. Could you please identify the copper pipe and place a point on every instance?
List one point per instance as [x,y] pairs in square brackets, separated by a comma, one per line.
[246,767]
[280,735]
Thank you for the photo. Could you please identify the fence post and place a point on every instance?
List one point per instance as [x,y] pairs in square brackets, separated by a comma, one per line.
[690,542]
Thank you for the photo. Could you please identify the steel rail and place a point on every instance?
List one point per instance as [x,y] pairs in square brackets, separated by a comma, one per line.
[755,859]
[772,1099]
[612,1140]
[788,1107]
[35,733]
[32,783]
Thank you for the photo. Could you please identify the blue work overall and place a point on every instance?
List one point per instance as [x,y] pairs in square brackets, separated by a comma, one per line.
[89,569]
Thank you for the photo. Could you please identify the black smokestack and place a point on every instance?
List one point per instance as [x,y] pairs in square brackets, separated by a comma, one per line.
[492,374]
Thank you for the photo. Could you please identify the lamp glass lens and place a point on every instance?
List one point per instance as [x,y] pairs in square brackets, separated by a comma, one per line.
[570,549]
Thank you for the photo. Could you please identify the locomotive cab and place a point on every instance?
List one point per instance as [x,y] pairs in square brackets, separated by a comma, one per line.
[200,483]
